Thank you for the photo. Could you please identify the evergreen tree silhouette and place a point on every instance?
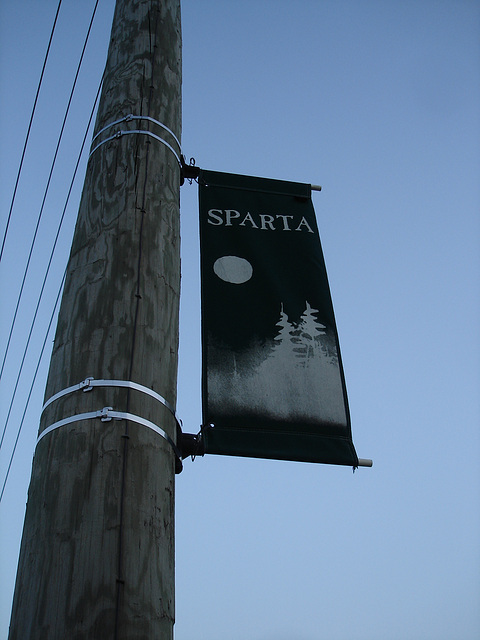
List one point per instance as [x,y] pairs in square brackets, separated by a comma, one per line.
[296,343]
[283,347]
[308,335]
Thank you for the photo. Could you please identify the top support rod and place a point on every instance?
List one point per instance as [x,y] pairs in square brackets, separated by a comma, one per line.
[191,172]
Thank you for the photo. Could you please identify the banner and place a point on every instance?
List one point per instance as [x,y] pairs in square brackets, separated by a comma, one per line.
[273,383]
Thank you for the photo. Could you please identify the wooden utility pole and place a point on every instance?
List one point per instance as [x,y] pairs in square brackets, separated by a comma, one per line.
[97,554]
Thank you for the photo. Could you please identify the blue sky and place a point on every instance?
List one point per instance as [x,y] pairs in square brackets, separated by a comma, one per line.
[379,102]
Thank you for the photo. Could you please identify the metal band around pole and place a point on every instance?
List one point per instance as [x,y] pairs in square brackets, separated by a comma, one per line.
[119,134]
[106,414]
[89,383]
[133,117]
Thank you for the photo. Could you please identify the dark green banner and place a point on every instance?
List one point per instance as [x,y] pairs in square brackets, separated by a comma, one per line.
[273,384]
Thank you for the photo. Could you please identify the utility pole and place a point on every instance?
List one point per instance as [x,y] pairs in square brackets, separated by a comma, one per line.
[97,553]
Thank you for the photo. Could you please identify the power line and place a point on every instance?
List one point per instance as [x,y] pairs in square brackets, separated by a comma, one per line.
[47,188]
[50,261]
[33,383]
[28,130]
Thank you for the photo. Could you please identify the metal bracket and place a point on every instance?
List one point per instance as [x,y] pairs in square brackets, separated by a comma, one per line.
[188,172]
[192,445]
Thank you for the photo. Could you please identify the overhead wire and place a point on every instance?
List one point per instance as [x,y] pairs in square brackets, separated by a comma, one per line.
[50,261]
[32,385]
[80,154]
[47,188]
[28,130]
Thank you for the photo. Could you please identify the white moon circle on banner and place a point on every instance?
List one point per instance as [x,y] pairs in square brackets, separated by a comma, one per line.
[233,269]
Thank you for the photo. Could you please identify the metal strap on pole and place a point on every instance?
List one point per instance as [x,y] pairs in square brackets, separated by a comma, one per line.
[133,117]
[106,414]
[119,134]
[89,383]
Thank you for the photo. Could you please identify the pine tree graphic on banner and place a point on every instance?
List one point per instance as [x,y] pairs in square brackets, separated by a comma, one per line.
[300,341]
[308,336]
[301,359]
[284,338]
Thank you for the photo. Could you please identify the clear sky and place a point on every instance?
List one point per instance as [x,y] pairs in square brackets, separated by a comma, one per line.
[379,102]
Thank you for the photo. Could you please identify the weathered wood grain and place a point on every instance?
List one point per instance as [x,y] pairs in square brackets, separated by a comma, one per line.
[97,555]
